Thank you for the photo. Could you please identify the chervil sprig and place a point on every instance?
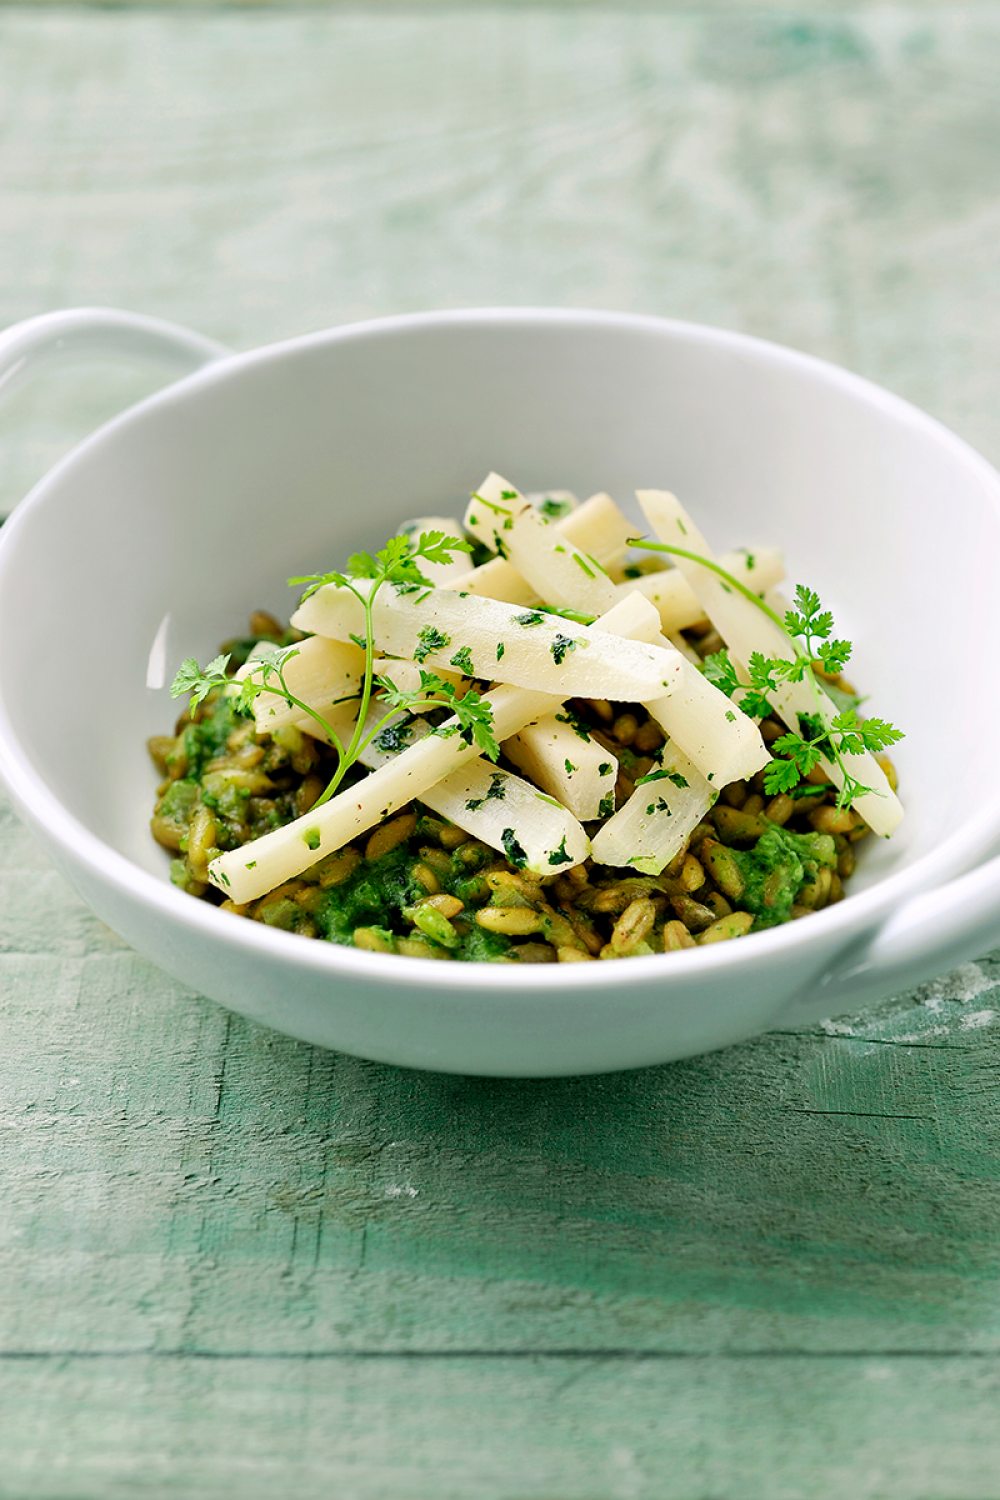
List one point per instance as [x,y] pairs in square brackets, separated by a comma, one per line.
[809,628]
[473,715]
[396,564]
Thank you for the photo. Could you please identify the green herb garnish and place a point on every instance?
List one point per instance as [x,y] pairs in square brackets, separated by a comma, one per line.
[396,564]
[810,631]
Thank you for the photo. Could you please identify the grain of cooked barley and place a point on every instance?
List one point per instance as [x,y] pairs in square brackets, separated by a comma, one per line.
[733,924]
[633,925]
[389,835]
[511,921]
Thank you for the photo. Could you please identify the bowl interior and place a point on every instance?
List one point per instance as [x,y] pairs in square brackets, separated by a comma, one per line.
[156,539]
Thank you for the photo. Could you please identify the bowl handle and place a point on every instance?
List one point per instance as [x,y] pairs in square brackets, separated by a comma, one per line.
[926,936]
[87,331]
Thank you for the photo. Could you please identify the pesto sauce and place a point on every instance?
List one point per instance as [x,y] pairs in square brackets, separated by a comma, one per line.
[776,869]
[377,893]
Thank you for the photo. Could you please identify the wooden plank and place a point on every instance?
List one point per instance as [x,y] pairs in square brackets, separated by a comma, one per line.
[590,1428]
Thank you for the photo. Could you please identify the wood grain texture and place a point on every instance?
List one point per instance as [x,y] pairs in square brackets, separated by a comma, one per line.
[233,1264]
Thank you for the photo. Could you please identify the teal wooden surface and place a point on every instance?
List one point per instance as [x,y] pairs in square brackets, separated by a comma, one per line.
[233,1264]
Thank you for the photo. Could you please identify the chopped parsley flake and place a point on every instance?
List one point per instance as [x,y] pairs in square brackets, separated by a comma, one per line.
[560,646]
[513,850]
[559,856]
[430,639]
[495,793]
[463,661]
[570,768]
[530,617]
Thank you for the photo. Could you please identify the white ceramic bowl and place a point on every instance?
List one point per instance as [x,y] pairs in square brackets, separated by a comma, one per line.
[154,539]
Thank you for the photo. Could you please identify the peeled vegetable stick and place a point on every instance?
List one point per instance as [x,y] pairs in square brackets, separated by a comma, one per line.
[561,573]
[498,808]
[598,527]
[554,504]
[495,641]
[564,761]
[657,821]
[746,629]
[440,574]
[249,872]
[256,868]
[721,741]
[676,600]
[321,672]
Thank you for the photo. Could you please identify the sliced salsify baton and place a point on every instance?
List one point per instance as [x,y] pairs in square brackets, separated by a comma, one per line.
[494,641]
[534,831]
[251,871]
[325,674]
[655,824]
[746,629]
[724,743]
[561,573]
[760,568]
[597,527]
[559,755]
[720,740]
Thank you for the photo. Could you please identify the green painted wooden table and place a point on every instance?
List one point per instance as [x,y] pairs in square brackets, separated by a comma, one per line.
[231,1264]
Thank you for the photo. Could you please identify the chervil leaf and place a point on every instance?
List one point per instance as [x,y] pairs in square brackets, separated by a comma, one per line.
[804,754]
[834,656]
[437,547]
[314,581]
[721,672]
[191,679]
[781,776]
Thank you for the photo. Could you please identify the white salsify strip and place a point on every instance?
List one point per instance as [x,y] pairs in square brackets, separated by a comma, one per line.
[655,824]
[597,527]
[560,572]
[720,740]
[495,806]
[759,568]
[746,629]
[494,641]
[250,872]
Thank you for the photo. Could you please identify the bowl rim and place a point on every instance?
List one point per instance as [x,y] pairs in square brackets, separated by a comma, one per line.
[853,919]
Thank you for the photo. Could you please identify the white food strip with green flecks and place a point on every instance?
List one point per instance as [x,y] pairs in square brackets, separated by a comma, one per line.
[719,739]
[760,568]
[559,755]
[494,641]
[554,505]
[746,629]
[655,824]
[320,672]
[597,527]
[562,574]
[722,742]
[495,806]
[249,872]
[440,574]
